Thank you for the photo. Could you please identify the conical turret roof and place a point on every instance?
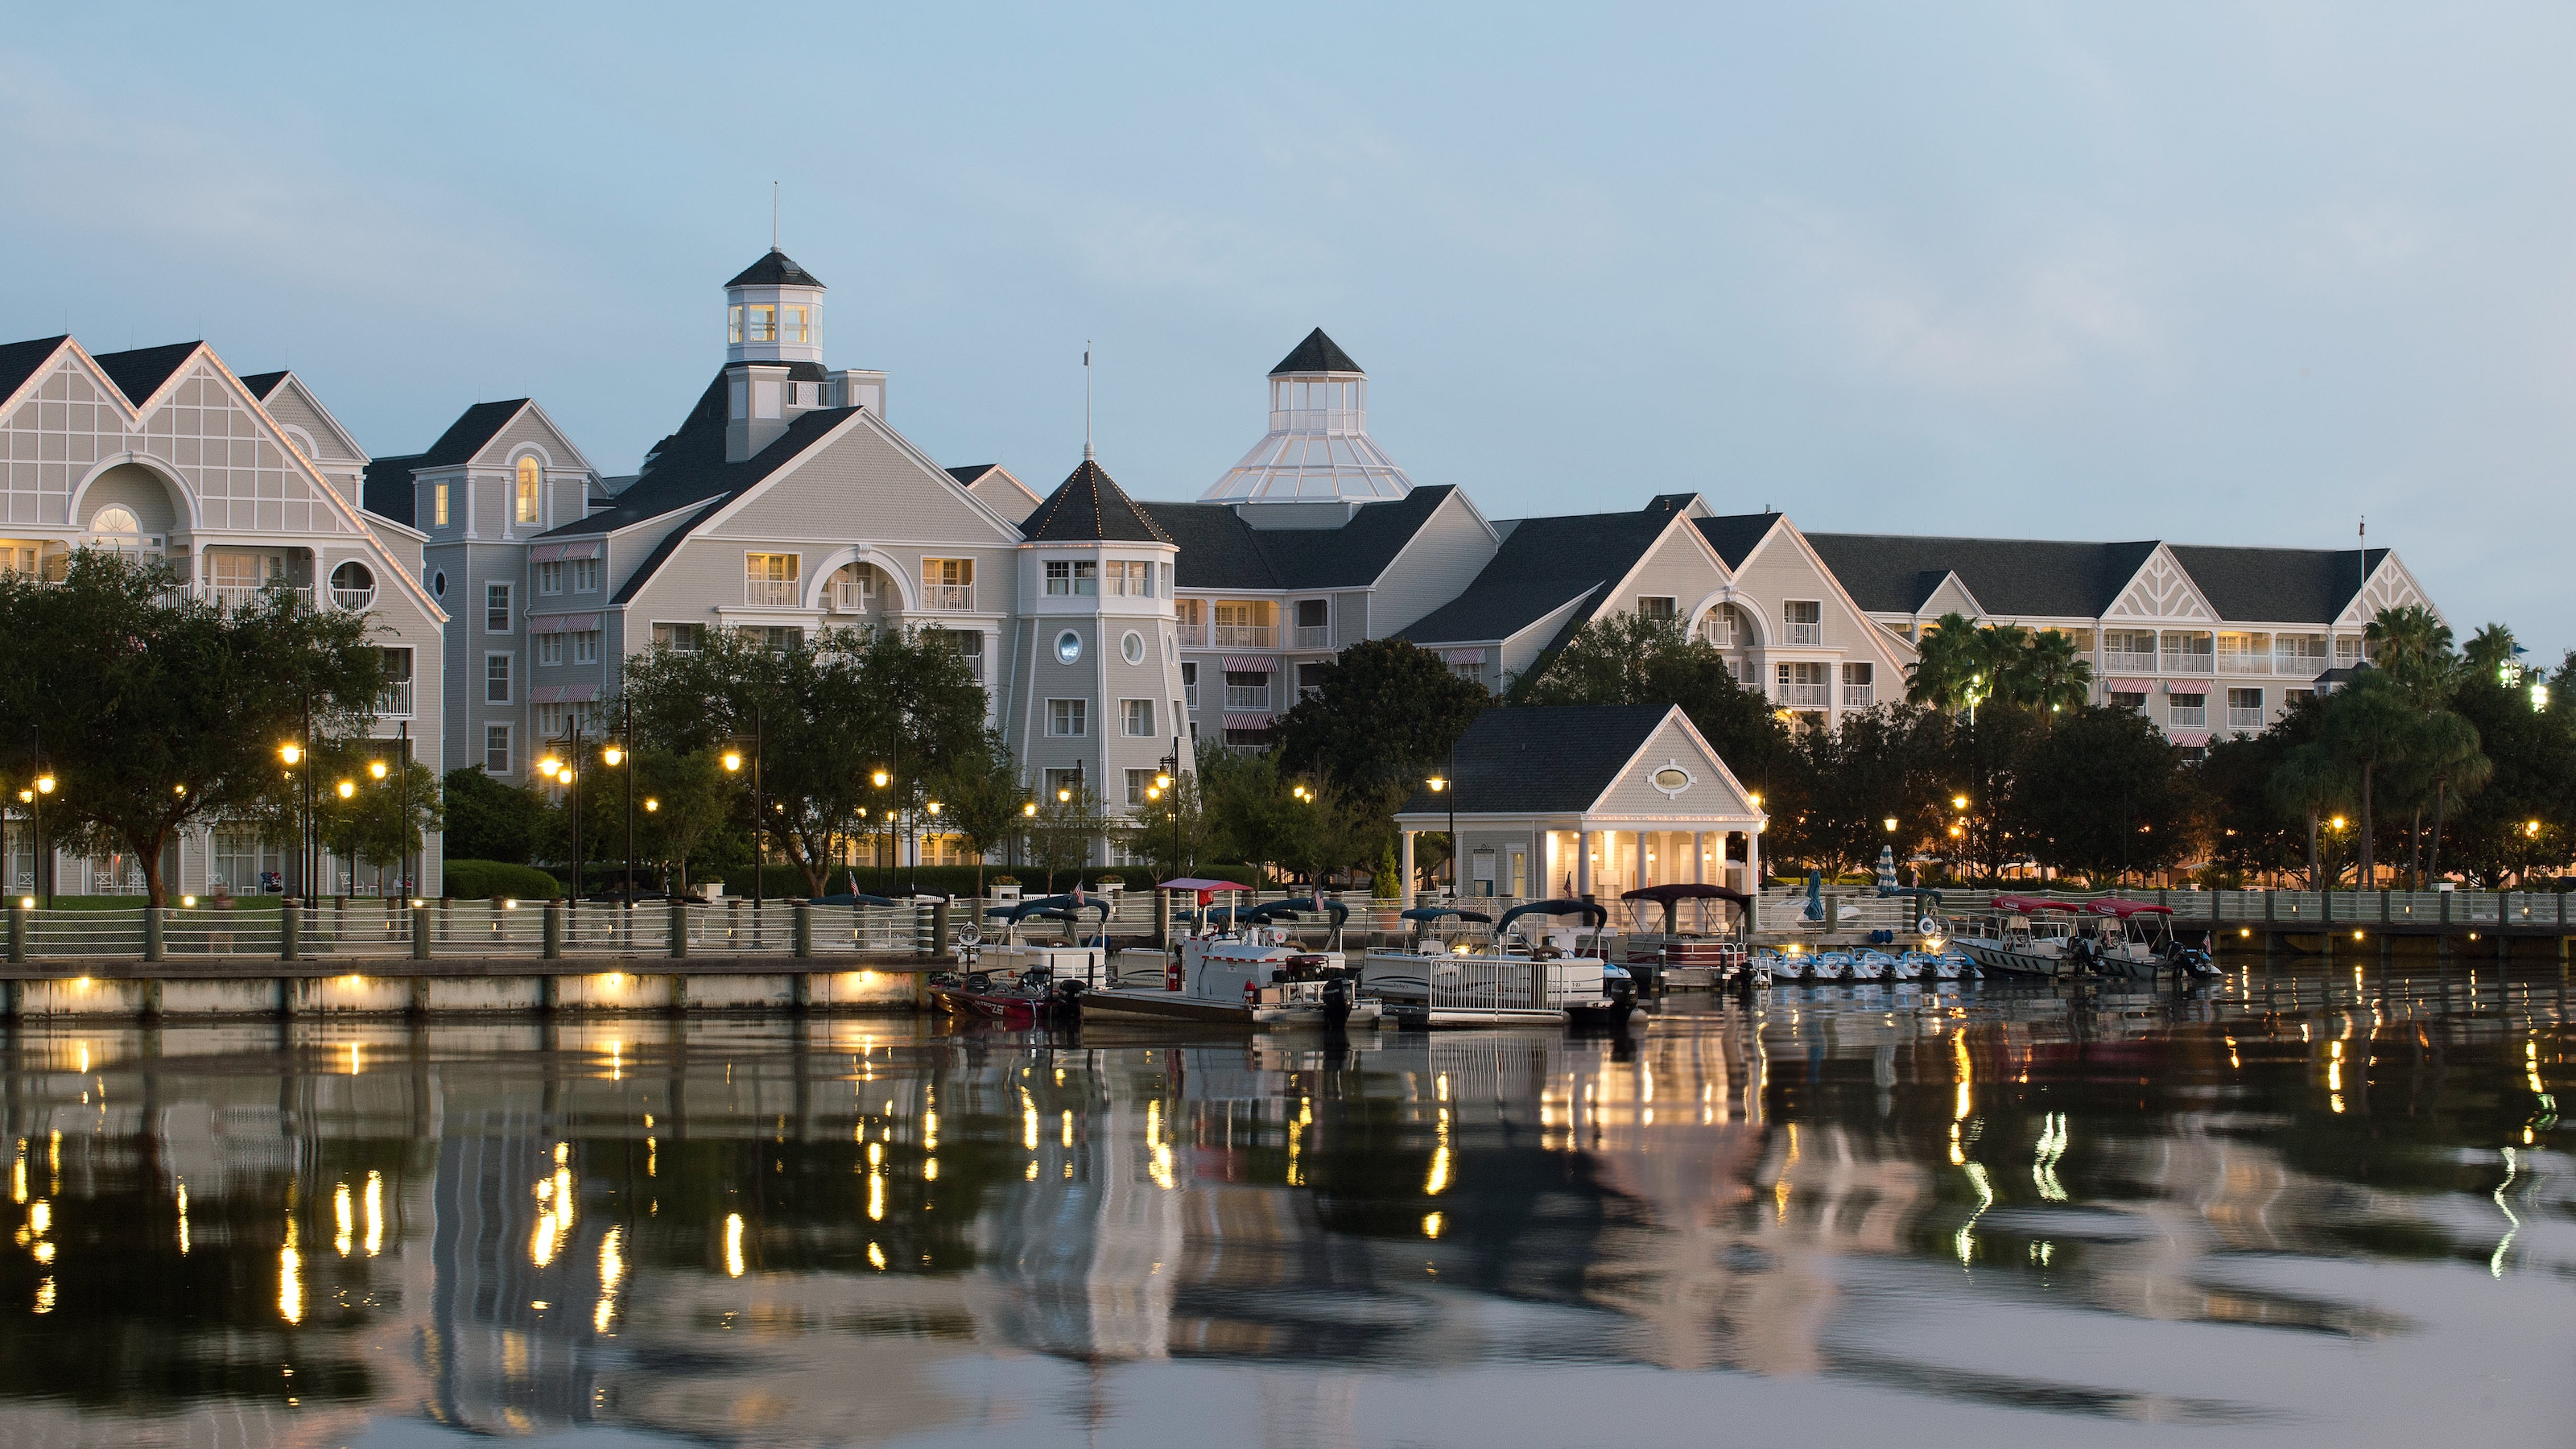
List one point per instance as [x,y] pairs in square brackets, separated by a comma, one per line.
[776,270]
[1318,353]
[1090,507]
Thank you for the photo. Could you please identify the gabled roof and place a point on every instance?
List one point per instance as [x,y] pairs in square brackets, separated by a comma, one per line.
[1220,551]
[388,491]
[1558,759]
[1544,564]
[1318,353]
[261,384]
[2278,585]
[472,429]
[139,374]
[1090,507]
[775,270]
[2013,577]
[19,360]
[1736,535]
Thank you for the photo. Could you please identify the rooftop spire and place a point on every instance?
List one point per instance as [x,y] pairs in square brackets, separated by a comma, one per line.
[1086,400]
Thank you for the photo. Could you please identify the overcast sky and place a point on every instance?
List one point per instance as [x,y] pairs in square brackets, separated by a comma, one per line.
[2214,275]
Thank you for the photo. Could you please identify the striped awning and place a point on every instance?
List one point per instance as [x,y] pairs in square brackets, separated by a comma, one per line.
[2191,739]
[1250,663]
[1247,721]
[563,694]
[2129,686]
[578,548]
[545,553]
[1466,656]
[562,623]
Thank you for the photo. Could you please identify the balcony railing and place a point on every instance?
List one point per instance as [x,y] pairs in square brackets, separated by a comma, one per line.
[850,597]
[1314,636]
[1805,696]
[2178,662]
[233,596]
[1243,696]
[354,600]
[1804,633]
[395,702]
[2245,663]
[953,598]
[1191,636]
[770,593]
[1244,636]
[2123,661]
[1859,696]
[2241,718]
[2298,666]
[2182,718]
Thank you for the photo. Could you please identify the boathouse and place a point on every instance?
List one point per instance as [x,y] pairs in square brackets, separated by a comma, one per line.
[1587,800]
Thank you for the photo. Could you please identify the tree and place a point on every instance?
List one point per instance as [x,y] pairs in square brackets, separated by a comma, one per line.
[1882,763]
[1252,807]
[1636,659]
[382,821]
[980,798]
[1945,663]
[1062,829]
[1382,713]
[158,709]
[684,812]
[488,820]
[827,712]
[1172,830]
[2311,781]
[2104,793]
[2052,675]
[2446,749]
[2413,647]
[2369,726]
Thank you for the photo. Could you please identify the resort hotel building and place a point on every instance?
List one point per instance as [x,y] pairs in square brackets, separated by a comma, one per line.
[510,577]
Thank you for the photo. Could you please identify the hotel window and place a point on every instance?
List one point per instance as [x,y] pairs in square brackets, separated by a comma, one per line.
[1138,782]
[1068,718]
[530,476]
[1723,627]
[585,576]
[496,608]
[948,583]
[549,650]
[1190,682]
[1310,680]
[680,638]
[1247,689]
[1066,783]
[395,702]
[1071,577]
[2187,711]
[1805,686]
[1805,621]
[2129,699]
[2245,709]
[2347,650]
[438,505]
[774,636]
[1138,717]
[496,749]
[1654,607]
[1470,670]
[733,324]
[550,578]
[496,679]
[1860,686]
[1314,624]
[970,647]
[770,580]
[1130,580]
[585,647]
[1243,739]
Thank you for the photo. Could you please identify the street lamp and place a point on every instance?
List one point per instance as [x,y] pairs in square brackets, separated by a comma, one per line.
[1890,823]
[881,778]
[1447,785]
[294,753]
[44,847]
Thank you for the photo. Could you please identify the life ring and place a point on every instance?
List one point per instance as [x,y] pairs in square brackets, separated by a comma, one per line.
[1927,926]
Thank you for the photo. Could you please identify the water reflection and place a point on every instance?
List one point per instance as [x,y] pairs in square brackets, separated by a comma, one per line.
[1990,1207]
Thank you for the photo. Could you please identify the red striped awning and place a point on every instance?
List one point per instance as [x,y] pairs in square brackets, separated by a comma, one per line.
[1247,721]
[1466,656]
[2191,739]
[2129,686]
[545,553]
[1250,663]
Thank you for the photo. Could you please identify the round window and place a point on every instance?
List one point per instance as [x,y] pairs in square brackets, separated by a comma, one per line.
[1068,647]
[438,583]
[1133,647]
[1672,779]
[353,576]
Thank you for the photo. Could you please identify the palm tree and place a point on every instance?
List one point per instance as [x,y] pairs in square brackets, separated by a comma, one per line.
[2002,656]
[2309,783]
[2369,726]
[2414,645]
[2489,651]
[2055,674]
[1944,663]
[2447,748]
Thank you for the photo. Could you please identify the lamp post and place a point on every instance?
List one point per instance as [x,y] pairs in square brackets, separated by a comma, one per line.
[759,820]
[931,806]
[44,847]
[885,858]
[1448,785]
[295,753]
[623,754]
[1169,781]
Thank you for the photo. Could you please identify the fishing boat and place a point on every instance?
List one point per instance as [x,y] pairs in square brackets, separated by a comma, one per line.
[1024,984]
[1247,968]
[2136,939]
[2027,936]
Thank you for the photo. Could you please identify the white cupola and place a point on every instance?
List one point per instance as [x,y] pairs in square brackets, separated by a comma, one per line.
[774,313]
[1318,449]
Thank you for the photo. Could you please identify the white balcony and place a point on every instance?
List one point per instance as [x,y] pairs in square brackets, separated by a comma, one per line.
[2121,661]
[2298,666]
[2187,718]
[1247,697]
[771,593]
[1314,636]
[2178,662]
[1192,636]
[234,596]
[1803,633]
[1804,696]
[948,598]
[2241,718]
[395,702]
[1244,636]
[1859,696]
[2247,663]
[355,601]
[849,596]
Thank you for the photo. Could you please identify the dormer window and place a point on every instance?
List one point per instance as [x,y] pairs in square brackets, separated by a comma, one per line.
[530,475]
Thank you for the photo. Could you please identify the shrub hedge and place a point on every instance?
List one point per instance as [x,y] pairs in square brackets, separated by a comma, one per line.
[787,882]
[483,879]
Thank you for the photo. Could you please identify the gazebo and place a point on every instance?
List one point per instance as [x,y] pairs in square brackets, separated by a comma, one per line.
[1588,800]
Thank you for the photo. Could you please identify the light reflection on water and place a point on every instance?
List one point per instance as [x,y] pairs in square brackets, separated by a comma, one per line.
[2328,1210]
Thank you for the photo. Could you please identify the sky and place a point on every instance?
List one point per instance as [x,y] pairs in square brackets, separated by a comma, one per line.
[2212,274]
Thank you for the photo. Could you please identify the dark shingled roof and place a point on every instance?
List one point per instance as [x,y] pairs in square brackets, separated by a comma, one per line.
[261,384]
[1735,535]
[775,270]
[971,471]
[1220,551]
[1318,353]
[140,373]
[1544,563]
[19,360]
[1090,507]
[2277,585]
[389,493]
[2012,577]
[466,436]
[1543,759]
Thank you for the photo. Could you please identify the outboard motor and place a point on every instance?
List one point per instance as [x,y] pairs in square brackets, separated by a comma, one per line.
[1337,1000]
[1622,991]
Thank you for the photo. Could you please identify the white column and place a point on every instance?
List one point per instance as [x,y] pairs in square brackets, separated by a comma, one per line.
[1699,860]
[1404,890]
[1753,877]
[1582,863]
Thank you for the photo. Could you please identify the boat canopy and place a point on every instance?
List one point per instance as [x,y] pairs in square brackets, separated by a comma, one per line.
[853,898]
[1591,911]
[1053,908]
[1193,883]
[1297,906]
[2029,905]
[1679,891]
[2114,906]
[1428,914]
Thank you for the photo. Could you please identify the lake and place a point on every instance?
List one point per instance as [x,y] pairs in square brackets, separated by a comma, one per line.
[2279,1210]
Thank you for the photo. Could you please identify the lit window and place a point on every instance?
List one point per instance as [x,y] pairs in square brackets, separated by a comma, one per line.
[733,324]
[529,477]
[682,638]
[438,506]
[760,324]
[795,324]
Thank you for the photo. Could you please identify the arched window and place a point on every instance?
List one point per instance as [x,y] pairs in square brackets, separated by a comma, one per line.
[117,523]
[529,477]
